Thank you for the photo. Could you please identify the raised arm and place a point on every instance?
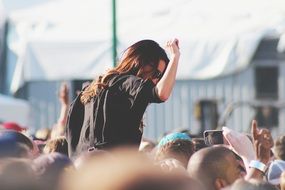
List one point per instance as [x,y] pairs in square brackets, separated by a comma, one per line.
[64,103]
[263,142]
[165,85]
[59,128]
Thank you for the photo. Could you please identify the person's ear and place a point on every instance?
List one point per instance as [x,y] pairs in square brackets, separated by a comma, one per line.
[220,183]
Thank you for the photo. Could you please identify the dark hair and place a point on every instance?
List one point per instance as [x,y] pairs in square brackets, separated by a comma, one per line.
[9,135]
[199,143]
[14,144]
[179,149]
[135,58]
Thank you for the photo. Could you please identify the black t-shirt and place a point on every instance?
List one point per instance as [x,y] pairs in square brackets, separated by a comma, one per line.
[126,105]
[118,111]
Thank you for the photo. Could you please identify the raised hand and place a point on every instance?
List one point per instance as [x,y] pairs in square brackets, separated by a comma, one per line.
[240,144]
[263,142]
[63,94]
[173,47]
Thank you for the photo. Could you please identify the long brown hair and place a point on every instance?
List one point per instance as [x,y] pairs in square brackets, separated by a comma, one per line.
[135,58]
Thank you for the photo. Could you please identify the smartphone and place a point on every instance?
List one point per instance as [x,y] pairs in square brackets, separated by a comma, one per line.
[212,137]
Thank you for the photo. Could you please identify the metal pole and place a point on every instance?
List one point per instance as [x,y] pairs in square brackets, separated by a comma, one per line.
[3,58]
[114,32]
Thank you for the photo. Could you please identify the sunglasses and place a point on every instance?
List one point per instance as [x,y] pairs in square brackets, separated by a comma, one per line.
[157,74]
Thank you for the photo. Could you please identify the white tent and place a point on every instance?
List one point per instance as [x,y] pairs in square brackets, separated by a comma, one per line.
[71,39]
[16,110]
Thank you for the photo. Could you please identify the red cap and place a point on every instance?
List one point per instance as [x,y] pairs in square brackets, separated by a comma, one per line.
[13,126]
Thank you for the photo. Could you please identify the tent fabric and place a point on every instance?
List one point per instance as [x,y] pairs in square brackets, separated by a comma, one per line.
[281,44]
[14,110]
[74,42]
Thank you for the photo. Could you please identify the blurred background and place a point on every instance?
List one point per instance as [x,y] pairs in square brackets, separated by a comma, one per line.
[232,66]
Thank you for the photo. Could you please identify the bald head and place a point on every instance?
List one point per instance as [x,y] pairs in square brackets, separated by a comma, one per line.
[214,165]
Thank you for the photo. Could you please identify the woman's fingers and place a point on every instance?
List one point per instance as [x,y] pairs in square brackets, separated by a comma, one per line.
[173,42]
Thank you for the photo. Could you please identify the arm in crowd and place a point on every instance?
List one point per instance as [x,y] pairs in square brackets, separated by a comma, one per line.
[63,96]
[165,85]
[258,150]
[241,145]
[64,102]
[263,143]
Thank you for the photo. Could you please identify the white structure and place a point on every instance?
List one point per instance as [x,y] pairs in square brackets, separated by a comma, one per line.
[15,110]
[74,42]
[53,40]
[238,92]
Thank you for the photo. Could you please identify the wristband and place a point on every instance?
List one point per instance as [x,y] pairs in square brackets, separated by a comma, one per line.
[257,165]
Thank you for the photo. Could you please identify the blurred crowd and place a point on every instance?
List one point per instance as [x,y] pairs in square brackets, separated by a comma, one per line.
[176,161]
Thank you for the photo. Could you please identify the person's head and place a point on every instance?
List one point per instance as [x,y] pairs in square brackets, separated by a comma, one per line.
[127,170]
[274,171]
[216,167]
[10,149]
[50,167]
[15,144]
[251,184]
[17,174]
[58,144]
[179,149]
[145,59]
[279,148]
[88,156]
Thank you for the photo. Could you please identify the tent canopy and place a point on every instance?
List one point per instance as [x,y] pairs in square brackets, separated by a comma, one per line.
[71,39]
[15,110]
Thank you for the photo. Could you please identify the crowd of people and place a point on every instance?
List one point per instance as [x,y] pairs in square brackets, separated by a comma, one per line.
[177,161]
[97,142]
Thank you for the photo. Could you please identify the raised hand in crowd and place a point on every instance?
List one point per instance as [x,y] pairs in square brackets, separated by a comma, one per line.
[63,96]
[240,144]
[252,153]
[166,83]
[64,103]
[263,143]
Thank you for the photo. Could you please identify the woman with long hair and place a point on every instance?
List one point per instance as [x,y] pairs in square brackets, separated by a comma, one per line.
[120,97]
